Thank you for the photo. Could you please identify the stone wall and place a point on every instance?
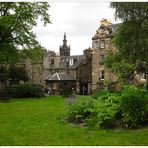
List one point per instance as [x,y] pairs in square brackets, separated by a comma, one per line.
[101,45]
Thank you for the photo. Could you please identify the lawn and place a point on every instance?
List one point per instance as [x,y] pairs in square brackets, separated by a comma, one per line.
[31,122]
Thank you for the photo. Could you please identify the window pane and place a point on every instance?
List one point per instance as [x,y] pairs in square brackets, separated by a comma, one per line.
[102,75]
[101,58]
[96,44]
[102,44]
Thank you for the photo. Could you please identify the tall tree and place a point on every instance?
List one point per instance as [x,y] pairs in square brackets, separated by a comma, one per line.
[17,73]
[16,22]
[132,36]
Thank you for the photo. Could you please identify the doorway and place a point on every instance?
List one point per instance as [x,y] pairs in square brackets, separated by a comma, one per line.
[83,88]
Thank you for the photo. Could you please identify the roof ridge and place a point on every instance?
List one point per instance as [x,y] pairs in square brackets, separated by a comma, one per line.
[58,76]
[53,75]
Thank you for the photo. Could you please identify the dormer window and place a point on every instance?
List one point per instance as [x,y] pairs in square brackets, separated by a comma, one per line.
[75,61]
[71,62]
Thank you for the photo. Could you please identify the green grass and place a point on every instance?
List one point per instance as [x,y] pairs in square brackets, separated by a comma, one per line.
[31,122]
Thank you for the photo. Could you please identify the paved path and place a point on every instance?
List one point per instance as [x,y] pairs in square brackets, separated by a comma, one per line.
[71,99]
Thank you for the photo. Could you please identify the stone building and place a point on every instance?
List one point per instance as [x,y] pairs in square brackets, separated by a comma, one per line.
[85,73]
[64,70]
[101,45]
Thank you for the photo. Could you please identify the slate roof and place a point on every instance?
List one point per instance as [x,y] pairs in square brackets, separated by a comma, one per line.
[114,28]
[73,61]
[60,77]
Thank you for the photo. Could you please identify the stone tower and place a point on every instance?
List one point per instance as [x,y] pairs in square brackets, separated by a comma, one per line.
[64,49]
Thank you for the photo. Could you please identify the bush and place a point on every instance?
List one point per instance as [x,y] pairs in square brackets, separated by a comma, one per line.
[95,112]
[18,73]
[81,110]
[130,107]
[3,73]
[27,90]
[133,106]
[108,109]
[98,93]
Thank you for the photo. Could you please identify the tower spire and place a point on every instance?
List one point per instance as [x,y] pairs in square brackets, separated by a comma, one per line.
[64,49]
[64,41]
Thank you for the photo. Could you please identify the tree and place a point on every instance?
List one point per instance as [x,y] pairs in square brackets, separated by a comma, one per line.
[132,35]
[119,66]
[3,73]
[17,73]
[16,22]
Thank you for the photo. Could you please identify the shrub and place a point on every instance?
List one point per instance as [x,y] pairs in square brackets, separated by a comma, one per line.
[81,110]
[3,73]
[108,109]
[98,93]
[27,90]
[133,106]
[17,73]
[95,112]
[130,107]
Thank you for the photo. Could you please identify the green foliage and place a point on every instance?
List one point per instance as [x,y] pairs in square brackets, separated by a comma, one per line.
[27,90]
[133,106]
[123,69]
[3,73]
[108,108]
[34,54]
[98,93]
[17,20]
[131,37]
[18,73]
[104,109]
[81,110]
[99,112]
[13,73]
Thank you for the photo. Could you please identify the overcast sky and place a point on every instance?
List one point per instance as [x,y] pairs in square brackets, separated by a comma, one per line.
[79,20]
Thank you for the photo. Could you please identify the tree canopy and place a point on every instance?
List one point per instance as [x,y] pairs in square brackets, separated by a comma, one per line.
[18,73]
[17,20]
[131,38]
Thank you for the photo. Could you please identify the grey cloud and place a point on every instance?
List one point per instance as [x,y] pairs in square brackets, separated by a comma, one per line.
[79,20]
[85,17]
